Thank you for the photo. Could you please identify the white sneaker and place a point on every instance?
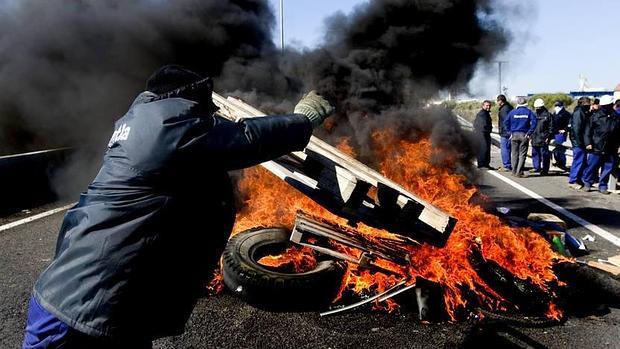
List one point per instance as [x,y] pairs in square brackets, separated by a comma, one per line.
[576,186]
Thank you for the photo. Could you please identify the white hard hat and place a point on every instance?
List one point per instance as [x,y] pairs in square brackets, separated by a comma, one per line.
[539,103]
[606,99]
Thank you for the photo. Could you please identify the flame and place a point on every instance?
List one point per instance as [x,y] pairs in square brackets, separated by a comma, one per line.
[427,172]
[294,259]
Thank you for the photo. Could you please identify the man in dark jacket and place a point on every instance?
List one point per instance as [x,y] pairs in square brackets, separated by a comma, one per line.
[561,119]
[521,123]
[483,128]
[541,138]
[504,143]
[579,120]
[602,139]
[134,253]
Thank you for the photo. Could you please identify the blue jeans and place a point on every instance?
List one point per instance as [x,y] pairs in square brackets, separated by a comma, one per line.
[559,152]
[579,164]
[541,157]
[605,162]
[504,145]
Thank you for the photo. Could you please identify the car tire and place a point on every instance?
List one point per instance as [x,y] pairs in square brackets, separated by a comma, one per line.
[258,285]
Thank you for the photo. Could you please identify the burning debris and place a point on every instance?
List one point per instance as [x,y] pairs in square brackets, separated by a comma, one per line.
[484,264]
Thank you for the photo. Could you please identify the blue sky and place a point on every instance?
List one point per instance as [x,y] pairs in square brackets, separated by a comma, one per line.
[556,41]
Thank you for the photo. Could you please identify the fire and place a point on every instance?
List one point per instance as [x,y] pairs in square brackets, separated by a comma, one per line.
[295,259]
[414,165]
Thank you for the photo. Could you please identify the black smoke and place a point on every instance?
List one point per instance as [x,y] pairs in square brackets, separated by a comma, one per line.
[69,68]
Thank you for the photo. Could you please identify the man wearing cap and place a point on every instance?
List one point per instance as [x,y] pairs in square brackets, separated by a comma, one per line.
[504,143]
[543,133]
[579,120]
[561,119]
[602,139]
[483,127]
[135,252]
[521,123]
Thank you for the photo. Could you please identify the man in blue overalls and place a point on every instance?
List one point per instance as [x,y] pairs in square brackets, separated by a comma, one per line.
[135,252]
[579,120]
[561,119]
[541,157]
[602,139]
[504,143]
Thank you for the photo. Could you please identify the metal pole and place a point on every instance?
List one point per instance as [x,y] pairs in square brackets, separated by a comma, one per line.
[500,77]
[499,67]
[282,25]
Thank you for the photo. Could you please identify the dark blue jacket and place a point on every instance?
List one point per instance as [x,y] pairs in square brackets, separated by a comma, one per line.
[482,122]
[502,115]
[544,128]
[603,132]
[578,123]
[520,119]
[561,120]
[136,251]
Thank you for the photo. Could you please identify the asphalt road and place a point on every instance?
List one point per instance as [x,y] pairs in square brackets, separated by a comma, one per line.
[223,321]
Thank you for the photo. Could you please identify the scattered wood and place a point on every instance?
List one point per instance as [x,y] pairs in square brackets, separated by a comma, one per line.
[612,269]
[547,217]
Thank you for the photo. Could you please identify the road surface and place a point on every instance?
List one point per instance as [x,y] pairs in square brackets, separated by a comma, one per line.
[223,321]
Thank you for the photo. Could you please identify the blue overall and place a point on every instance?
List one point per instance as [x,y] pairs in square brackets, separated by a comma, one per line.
[579,164]
[505,152]
[606,163]
[541,157]
[559,152]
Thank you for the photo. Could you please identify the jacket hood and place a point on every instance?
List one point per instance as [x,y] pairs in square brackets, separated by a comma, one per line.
[199,91]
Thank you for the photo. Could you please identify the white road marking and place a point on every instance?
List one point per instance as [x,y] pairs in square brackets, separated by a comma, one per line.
[591,227]
[34,218]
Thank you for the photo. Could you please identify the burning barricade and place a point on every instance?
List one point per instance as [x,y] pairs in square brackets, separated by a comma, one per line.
[348,236]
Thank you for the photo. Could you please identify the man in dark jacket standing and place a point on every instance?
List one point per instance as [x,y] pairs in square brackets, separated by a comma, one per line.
[521,123]
[579,120]
[541,138]
[561,119]
[504,143]
[602,139]
[483,128]
[134,254]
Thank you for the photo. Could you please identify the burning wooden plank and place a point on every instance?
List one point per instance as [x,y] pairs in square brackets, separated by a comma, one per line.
[341,184]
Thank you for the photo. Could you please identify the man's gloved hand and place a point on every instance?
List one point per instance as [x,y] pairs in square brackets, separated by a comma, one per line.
[314,107]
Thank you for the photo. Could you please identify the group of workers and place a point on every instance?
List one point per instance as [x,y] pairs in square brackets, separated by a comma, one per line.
[593,129]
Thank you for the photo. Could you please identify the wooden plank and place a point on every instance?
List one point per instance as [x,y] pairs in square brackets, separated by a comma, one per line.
[605,267]
[435,219]
[547,217]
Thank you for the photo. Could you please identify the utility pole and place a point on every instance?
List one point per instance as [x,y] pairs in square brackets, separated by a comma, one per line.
[499,67]
[282,25]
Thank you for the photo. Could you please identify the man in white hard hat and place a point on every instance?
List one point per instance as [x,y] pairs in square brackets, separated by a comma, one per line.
[602,139]
[543,133]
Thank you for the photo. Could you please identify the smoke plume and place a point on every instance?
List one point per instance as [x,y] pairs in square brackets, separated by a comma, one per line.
[69,68]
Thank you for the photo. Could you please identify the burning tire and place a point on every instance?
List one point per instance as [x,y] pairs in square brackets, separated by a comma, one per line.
[261,285]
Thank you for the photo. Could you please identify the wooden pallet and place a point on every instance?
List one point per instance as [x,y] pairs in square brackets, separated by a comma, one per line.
[341,184]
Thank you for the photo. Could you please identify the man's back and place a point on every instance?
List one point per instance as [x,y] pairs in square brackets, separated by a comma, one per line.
[134,253]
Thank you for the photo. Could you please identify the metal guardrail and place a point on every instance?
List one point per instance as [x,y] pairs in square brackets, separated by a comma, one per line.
[25,178]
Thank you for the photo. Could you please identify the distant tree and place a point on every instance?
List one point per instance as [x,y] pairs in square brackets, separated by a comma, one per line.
[550,99]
